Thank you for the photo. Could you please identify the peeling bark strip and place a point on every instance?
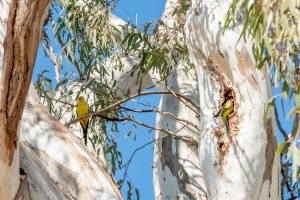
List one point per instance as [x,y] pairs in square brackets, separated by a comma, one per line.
[270,153]
[24,26]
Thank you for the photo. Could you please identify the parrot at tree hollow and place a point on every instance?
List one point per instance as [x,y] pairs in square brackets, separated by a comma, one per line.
[224,112]
[81,110]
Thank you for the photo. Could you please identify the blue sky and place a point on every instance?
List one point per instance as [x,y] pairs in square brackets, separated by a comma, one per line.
[140,171]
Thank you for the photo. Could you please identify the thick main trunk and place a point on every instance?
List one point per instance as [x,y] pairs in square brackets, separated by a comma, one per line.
[246,167]
[21,23]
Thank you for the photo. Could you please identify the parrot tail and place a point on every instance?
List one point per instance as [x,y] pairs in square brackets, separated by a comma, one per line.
[227,128]
[85,136]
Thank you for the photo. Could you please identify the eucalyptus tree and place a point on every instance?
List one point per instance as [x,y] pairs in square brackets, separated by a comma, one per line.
[199,54]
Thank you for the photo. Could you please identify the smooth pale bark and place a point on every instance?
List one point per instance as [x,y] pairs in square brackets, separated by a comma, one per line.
[177,174]
[172,154]
[21,23]
[59,165]
[248,166]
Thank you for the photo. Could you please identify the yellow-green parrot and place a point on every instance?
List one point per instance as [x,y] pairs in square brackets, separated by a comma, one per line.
[224,112]
[81,110]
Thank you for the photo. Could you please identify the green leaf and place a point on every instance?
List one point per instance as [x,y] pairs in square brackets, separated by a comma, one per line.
[128,134]
[285,90]
[129,191]
[270,103]
[113,165]
[182,173]
[294,109]
[130,41]
[44,71]
[60,61]
[295,128]
[61,83]
[109,149]
[182,8]
[279,150]
[120,182]
[137,193]
[282,106]
[146,27]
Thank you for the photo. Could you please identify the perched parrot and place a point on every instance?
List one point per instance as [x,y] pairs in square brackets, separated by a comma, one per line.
[81,110]
[224,112]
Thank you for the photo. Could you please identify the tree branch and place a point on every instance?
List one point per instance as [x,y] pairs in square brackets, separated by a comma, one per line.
[123,101]
[170,115]
[285,135]
[190,101]
[145,125]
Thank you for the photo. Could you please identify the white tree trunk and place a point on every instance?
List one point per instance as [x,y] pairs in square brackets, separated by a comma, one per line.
[59,165]
[248,166]
[21,23]
[177,173]
[174,155]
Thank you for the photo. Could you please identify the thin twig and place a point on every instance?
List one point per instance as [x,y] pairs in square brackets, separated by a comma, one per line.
[285,135]
[284,172]
[63,102]
[290,190]
[128,162]
[184,138]
[178,95]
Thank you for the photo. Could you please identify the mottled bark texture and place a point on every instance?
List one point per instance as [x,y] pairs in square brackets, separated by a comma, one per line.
[245,166]
[178,174]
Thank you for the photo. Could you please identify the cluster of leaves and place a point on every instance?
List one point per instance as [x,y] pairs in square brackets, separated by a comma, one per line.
[159,47]
[87,34]
[274,28]
[45,90]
